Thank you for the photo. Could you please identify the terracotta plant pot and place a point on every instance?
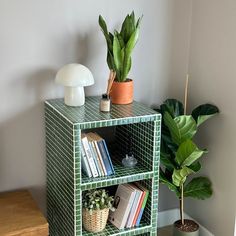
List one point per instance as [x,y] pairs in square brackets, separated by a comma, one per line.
[190,228]
[122,92]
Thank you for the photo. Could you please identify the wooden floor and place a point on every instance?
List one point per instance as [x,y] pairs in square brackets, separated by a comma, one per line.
[165,231]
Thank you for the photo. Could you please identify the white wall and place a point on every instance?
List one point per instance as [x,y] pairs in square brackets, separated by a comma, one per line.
[38,37]
[213,72]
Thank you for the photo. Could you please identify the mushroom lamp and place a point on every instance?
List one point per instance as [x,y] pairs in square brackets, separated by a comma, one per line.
[74,77]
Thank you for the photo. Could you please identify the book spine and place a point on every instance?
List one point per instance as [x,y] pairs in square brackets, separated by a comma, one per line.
[85,165]
[108,156]
[89,157]
[139,208]
[105,158]
[126,214]
[133,209]
[100,158]
[95,159]
[142,209]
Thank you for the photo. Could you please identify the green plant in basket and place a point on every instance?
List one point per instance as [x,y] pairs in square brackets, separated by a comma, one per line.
[180,156]
[97,199]
[96,206]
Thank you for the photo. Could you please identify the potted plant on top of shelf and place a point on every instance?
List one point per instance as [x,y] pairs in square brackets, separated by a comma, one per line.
[180,157]
[96,206]
[119,49]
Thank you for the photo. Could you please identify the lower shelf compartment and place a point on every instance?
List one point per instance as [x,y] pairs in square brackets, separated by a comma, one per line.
[111,230]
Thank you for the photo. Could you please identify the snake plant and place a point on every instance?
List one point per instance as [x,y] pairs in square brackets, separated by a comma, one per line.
[120,45]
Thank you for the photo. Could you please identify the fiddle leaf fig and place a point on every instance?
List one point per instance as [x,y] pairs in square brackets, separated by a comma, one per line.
[181,128]
[188,153]
[179,176]
[173,107]
[199,188]
[204,112]
[168,183]
[180,156]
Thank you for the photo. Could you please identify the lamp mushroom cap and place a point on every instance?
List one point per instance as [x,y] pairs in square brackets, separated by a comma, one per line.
[74,75]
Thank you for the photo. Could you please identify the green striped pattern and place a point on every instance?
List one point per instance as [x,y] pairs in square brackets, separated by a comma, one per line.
[65,182]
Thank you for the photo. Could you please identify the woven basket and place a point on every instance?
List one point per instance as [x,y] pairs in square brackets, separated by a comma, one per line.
[95,222]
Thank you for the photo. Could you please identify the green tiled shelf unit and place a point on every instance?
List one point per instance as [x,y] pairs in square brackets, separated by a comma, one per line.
[65,182]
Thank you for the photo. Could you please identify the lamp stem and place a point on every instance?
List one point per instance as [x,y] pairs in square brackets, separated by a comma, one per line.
[74,96]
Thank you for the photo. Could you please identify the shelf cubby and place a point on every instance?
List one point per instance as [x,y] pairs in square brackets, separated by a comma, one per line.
[65,181]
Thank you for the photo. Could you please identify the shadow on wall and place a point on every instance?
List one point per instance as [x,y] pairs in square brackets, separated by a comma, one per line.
[22,137]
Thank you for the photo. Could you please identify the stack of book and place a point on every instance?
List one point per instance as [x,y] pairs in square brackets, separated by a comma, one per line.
[130,201]
[96,161]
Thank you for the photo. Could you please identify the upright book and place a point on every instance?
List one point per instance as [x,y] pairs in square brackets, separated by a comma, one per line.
[89,156]
[85,164]
[97,153]
[133,210]
[104,153]
[124,198]
[143,204]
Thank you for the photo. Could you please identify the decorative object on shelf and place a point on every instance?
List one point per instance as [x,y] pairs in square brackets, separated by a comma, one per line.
[180,156]
[129,161]
[74,77]
[105,102]
[96,206]
[119,49]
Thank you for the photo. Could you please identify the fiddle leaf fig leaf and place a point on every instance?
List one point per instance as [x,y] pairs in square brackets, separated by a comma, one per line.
[188,153]
[179,176]
[204,112]
[199,188]
[166,161]
[168,183]
[196,166]
[173,107]
[181,128]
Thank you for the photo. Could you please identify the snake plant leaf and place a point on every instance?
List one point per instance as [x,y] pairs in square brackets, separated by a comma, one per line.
[127,53]
[188,153]
[126,29]
[107,35]
[110,61]
[179,176]
[117,53]
[199,188]
[168,183]
[181,128]
[121,40]
[173,106]
[102,24]
[204,112]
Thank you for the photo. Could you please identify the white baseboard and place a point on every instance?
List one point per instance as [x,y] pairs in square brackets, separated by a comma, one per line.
[170,216]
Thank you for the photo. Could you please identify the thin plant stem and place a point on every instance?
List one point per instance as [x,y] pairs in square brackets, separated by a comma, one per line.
[186,95]
[182,205]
